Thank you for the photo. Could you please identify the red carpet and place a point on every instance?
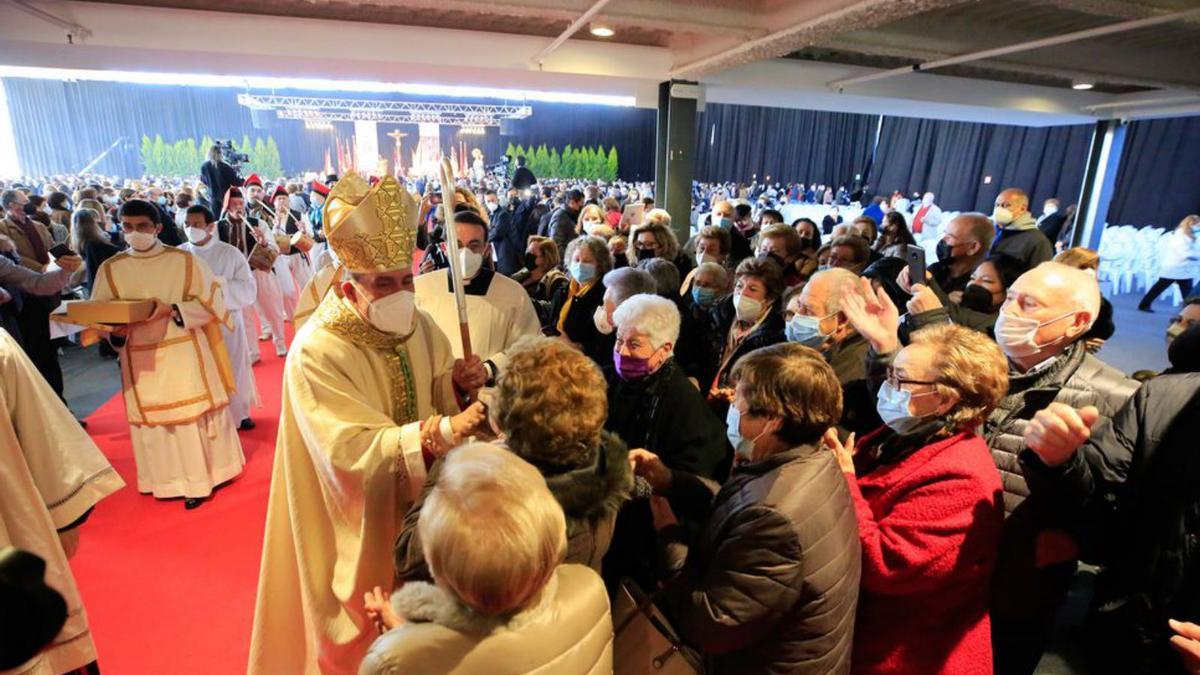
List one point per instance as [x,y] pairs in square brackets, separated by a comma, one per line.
[169,590]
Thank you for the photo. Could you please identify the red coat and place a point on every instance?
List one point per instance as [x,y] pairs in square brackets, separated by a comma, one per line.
[930,528]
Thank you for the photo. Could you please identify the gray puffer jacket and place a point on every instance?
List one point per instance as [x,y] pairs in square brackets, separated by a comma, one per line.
[1077,379]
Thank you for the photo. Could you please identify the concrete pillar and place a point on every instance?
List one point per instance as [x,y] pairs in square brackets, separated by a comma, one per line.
[1099,182]
[675,161]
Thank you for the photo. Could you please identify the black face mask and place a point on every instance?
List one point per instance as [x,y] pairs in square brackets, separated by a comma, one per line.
[978,298]
[620,260]
[645,254]
[530,261]
[945,252]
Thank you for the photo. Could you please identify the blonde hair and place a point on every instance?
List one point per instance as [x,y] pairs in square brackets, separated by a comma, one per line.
[1079,258]
[1185,225]
[491,531]
[969,365]
[593,210]
[552,403]
[658,217]
[667,242]
[792,243]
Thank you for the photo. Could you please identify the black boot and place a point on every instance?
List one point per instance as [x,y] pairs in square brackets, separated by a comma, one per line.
[192,503]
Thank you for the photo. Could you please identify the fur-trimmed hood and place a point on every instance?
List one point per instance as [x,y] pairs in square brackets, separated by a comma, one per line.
[599,488]
[422,602]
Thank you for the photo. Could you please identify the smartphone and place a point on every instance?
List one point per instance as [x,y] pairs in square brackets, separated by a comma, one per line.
[634,214]
[61,250]
[916,264]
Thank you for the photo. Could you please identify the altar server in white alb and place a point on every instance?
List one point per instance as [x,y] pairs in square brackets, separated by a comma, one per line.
[175,372]
[365,388]
[498,309]
[239,291]
[51,477]
[244,233]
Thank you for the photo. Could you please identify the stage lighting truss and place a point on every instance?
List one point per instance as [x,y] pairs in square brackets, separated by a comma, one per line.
[475,116]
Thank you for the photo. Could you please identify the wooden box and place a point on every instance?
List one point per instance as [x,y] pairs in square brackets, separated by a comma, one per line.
[88,312]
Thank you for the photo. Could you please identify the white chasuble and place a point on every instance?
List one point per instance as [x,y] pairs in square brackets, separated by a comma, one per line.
[51,474]
[348,463]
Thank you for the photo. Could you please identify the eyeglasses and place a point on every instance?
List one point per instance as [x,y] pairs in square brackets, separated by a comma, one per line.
[895,380]
[1179,318]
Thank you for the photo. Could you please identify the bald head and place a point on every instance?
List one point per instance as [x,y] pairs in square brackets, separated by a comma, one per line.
[1063,300]
[1015,200]
[723,209]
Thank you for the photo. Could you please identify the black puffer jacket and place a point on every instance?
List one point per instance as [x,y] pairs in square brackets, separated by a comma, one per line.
[1137,482]
[1077,379]
[590,496]
[770,583]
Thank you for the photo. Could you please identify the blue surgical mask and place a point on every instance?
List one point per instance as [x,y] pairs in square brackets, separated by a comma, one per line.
[892,405]
[703,297]
[806,330]
[723,223]
[583,272]
[742,447]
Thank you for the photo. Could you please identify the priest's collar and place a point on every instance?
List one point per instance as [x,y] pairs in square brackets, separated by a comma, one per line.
[478,285]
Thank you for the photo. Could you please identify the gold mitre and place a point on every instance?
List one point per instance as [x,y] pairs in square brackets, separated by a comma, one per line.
[371,229]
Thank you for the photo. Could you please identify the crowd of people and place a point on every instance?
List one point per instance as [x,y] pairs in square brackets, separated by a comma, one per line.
[809,460]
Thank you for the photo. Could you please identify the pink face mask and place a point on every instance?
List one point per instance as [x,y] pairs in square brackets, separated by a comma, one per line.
[630,367]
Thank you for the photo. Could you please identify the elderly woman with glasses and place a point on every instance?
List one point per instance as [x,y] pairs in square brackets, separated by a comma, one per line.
[927,494]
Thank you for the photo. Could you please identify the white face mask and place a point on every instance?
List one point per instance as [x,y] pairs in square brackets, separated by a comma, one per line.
[1049,209]
[196,234]
[393,313]
[590,227]
[1002,215]
[1017,335]
[600,318]
[141,241]
[469,262]
[702,258]
[748,309]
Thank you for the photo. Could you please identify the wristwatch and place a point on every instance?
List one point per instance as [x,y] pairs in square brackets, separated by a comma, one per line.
[176,316]
[492,371]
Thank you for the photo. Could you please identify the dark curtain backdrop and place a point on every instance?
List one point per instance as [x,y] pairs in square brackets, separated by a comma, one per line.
[60,126]
[953,159]
[1158,182]
[735,142]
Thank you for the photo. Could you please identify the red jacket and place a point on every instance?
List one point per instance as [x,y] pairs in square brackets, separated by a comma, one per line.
[930,528]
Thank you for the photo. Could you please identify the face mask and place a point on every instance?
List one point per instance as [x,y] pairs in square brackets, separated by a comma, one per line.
[583,272]
[645,253]
[469,262]
[892,405]
[702,258]
[806,330]
[742,447]
[530,261]
[141,241]
[1002,215]
[945,252]
[703,297]
[590,227]
[927,201]
[747,309]
[196,234]
[630,368]
[392,314]
[1174,330]
[723,223]
[1017,335]
[978,298]
[822,268]
[1049,209]
[620,260]
[162,201]
[600,318]
[492,206]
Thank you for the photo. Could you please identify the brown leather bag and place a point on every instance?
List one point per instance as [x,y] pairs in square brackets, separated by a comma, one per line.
[262,258]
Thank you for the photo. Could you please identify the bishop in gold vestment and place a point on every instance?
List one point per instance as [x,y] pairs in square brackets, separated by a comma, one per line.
[349,457]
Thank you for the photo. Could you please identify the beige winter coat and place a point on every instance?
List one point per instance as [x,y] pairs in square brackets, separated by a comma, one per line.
[568,631]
